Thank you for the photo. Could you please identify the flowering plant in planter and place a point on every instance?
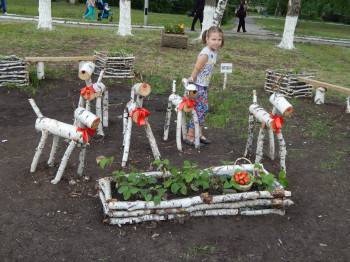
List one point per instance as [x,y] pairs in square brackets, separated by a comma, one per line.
[174,29]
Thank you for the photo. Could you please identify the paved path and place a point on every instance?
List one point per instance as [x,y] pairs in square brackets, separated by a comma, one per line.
[253,30]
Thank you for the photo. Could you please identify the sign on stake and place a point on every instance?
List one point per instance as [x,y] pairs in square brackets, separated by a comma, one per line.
[226,68]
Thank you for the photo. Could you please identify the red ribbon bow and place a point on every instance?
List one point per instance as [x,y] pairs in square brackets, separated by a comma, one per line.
[87,90]
[277,123]
[86,132]
[141,115]
[190,103]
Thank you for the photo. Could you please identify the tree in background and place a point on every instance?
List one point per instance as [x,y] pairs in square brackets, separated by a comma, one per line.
[124,27]
[290,24]
[208,15]
[219,12]
[45,18]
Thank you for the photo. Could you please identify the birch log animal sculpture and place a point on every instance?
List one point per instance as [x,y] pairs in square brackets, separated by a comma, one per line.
[182,105]
[97,91]
[86,124]
[273,123]
[134,112]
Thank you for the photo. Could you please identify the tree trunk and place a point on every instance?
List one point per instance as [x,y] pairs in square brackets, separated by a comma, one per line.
[219,12]
[45,19]
[72,2]
[208,15]
[124,28]
[290,24]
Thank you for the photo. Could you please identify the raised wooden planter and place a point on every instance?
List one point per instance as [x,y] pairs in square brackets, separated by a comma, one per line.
[174,40]
[119,212]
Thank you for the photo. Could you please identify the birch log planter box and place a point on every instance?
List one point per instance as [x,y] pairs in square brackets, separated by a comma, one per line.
[287,83]
[13,71]
[251,203]
[174,40]
[116,64]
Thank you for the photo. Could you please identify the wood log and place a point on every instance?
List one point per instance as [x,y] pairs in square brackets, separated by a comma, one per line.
[167,121]
[58,59]
[99,114]
[261,115]
[260,145]
[86,71]
[40,72]
[272,144]
[248,147]
[127,137]
[105,118]
[39,150]
[347,110]
[86,118]
[282,151]
[180,116]
[325,85]
[151,140]
[53,152]
[320,95]
[142,89]
[281,104]
[82,159]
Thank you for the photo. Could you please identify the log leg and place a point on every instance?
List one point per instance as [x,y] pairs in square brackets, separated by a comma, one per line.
[152,140]
[82,159]
[125,123]
[320,95]
[196,129]
[39,150]
[178,130]
[282,151]
[272,144]
[88,105]
[99,115]
[54,147]
[64,161]
[260,145]
[105,108]
[167,121]
[40,70]
[248,147]
[347,110]
[127,137]
[184,125]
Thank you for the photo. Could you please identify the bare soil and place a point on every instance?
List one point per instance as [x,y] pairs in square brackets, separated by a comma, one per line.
[64,222]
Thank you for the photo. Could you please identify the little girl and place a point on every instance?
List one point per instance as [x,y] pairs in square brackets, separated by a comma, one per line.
[201,76]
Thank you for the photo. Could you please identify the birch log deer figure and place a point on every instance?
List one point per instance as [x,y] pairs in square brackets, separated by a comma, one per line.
[134,112]
[182,105]
[97,91]
[273,123]
[86,124]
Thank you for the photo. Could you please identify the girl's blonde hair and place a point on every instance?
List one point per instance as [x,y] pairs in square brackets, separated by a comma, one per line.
[212,29]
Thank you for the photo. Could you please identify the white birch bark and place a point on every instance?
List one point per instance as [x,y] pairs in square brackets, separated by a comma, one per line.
[260,146]
[219,13]
[272,144]
[196,129]
[53,152]
[86,118]
[40,70]
[64,161]
[86,70]
[167,121]
[290,24]
[320,95]
[124,28]
[180,115]
[248,147]
[208,15]
[99,114]
[39,150]
[72,2]
[105,102]
[347,110]
[184,126]
[82,159]
[45,18]
[282,151]
[127,137]
[151,140]
[281,104]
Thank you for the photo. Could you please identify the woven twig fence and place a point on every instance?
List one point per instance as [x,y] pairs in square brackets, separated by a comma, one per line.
[287,84]
[252,203]
[13,70]
[116,64]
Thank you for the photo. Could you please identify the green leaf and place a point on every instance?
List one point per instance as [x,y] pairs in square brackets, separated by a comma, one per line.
[187,164]
[122,189]
[194,165]
[257,166]
[188,178]
[282,174]
[134,190]
[204,177]
[270,188]
[183,190]
[205,185]
[194,187]
[152,180]
[167,183]
[175,188]
[156,200]
[148,197]
[161,192]
[103,162]
[223,178]
[141,183]
[132,176]
[284,182]
[126,195]
[227,184]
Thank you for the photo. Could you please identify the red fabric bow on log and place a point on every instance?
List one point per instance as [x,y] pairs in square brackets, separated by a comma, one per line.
[86,132]
[141,115]
[190,103]
[87,90]
[277,123]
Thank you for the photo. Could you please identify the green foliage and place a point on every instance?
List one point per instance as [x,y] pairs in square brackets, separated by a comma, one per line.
[174,29]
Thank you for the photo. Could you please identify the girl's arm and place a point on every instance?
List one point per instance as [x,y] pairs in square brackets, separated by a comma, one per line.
[199,65]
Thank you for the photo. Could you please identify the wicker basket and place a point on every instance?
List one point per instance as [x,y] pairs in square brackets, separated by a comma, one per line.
[245,187]
[174,40]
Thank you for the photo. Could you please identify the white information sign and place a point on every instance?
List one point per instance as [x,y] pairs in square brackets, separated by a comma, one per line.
[226,68]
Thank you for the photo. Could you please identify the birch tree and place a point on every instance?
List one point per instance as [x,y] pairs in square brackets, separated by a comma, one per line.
[219,12]
[124,28]
[72,2]
[45,18]
[208,15]
[290,24]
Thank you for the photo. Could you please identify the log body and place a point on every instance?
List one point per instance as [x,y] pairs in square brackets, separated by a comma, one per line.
[281,104]
[261,115]
[86,118]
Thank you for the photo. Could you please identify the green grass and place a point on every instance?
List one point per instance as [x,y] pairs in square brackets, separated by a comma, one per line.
[307,28]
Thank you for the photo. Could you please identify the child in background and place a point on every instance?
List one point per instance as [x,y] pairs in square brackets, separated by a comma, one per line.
[90,4]
[201,76]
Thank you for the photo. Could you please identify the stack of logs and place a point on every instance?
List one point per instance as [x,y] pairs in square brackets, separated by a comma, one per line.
[116,65]
[13,70]
[287,84]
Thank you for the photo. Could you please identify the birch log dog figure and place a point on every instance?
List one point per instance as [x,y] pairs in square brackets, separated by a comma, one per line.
[272,122]
[182,105]
[97,91]
[86,124]
[134,112]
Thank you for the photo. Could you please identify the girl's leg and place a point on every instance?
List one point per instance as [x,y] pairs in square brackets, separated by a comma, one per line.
[93,14]
[201,109]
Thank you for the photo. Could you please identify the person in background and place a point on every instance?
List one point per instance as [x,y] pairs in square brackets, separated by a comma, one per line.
[3,6]
[198,9]
[241,14]
[201,76]
[91,6]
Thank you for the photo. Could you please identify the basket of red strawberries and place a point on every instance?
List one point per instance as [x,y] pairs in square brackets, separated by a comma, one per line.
[243,178]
